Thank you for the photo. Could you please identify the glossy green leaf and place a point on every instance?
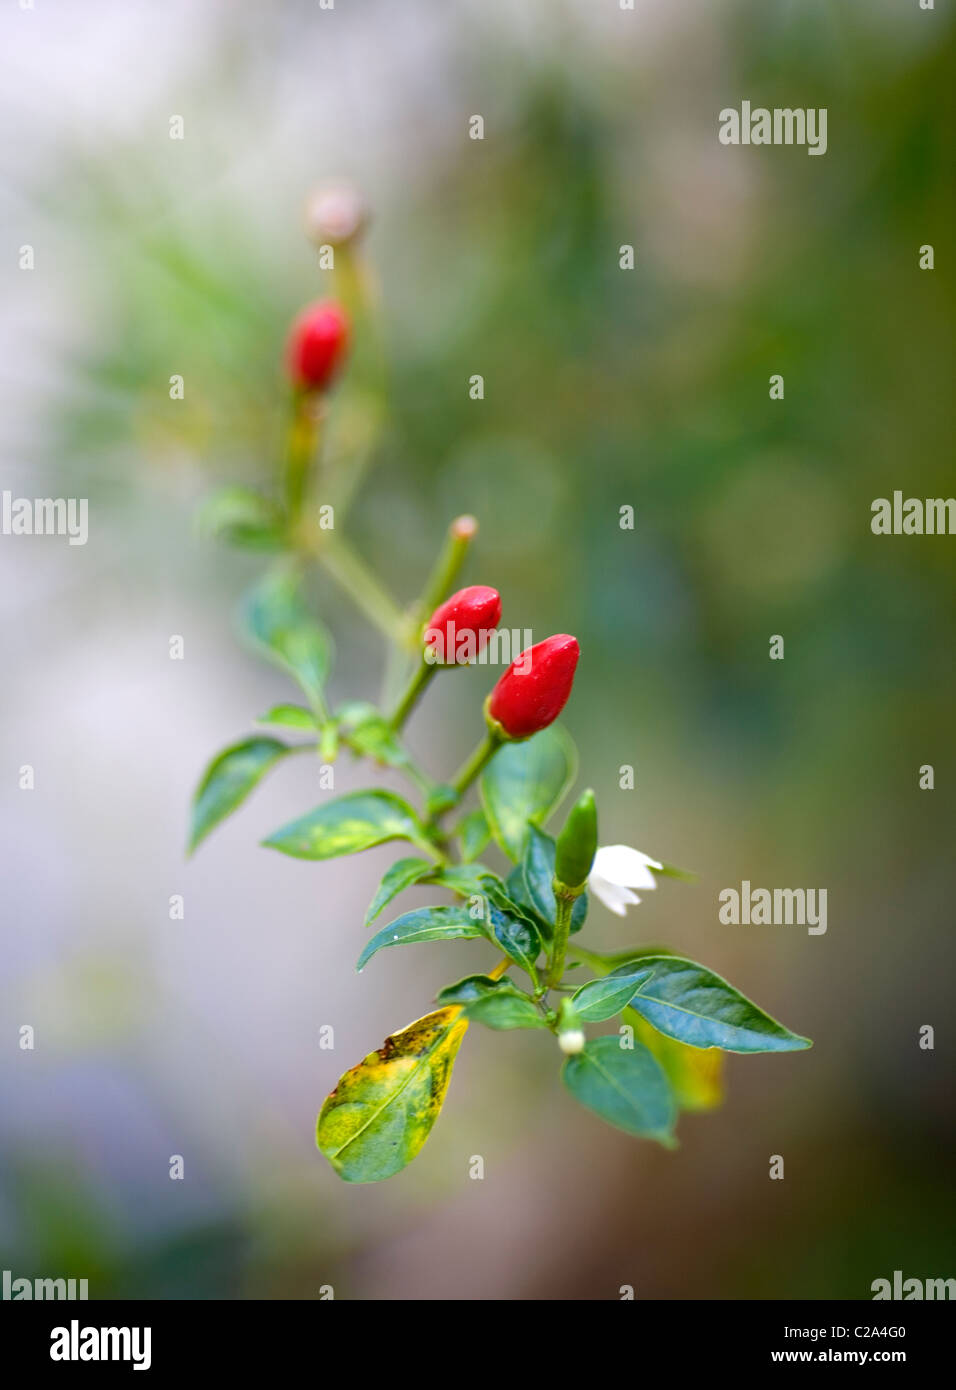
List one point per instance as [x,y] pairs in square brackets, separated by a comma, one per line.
[688,1002]
[601,999]
[279,624]
[290,717]
[242,517]
[348,824]
[516,934]
[402,874]
[537,871]
[228,780]
[695,1073]
[475,832]
[505,922]
[423,924]
[468,880]
[518,893]
[497,1004]
[626,1087]
[525,782]
[382,1111]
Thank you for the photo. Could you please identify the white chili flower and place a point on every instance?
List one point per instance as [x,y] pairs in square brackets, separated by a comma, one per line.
[617,870]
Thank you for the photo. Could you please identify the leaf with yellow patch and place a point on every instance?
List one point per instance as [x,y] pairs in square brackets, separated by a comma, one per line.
[696,1074]
[382,1111]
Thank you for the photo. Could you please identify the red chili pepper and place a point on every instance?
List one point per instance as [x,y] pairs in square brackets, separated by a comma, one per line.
[460,627]
[318,341]
[535,688]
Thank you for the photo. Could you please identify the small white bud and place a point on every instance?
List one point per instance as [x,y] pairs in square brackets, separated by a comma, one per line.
[571,1041]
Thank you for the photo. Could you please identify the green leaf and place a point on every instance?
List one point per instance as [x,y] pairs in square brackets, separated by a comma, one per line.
[402,874]
[688,1002]
[695,1073]
[240,516]
[382,1111]
[625,1087]
[525,782]
[497,1004]
[516,934]
[228,780]
[537,870]
[277,621]
[290,717]
[423,924]
[350,713]
[348,824]
[475,832]
[503,920]
[601,999]
[517,891]
[467,880]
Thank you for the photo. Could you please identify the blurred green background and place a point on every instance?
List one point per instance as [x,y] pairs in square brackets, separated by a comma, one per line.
[603,388]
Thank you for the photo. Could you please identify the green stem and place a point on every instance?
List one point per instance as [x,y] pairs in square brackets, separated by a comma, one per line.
[430,848]
[352,574]
[413,691]
[476,764]
[559,944]
[301,444]
[451,557]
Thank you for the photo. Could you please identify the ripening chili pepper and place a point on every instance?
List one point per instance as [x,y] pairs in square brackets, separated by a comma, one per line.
[460,627]
[535,688]
[318,341]
[577,843]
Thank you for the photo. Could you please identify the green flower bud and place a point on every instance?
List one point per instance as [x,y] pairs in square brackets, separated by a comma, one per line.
[577,844]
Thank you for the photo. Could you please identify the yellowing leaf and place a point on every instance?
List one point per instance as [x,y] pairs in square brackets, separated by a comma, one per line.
[382,1111]
[696,1074]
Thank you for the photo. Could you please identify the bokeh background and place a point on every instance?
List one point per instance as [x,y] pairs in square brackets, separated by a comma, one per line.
[604,388]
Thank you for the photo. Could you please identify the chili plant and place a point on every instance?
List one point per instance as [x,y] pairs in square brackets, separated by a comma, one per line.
[676,1016]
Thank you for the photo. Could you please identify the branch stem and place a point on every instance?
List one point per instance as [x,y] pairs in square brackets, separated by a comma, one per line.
[476,764]
[351,573]
[448,565]
[562,927]
[413,692]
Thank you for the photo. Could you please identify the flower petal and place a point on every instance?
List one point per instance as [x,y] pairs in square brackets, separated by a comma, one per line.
[612,895]
[627,867]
